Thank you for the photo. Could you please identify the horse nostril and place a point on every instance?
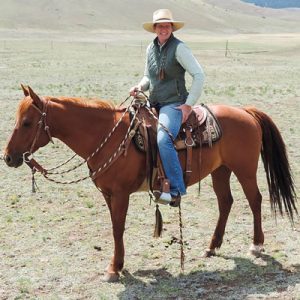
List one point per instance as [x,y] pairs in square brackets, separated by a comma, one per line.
[13,160]
[7,159]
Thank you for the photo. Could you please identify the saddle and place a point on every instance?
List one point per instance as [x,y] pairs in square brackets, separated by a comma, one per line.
[201,129]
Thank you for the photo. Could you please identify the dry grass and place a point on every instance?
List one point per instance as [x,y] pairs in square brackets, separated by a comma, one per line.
[57,243]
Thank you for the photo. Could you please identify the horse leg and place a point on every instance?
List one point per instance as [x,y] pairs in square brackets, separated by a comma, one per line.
[254,198]
[118,207]
[221,185]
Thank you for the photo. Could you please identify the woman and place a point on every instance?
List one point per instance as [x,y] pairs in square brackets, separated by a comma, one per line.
[167,60]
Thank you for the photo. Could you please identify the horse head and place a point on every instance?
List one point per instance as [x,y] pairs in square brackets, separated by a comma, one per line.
[31,131]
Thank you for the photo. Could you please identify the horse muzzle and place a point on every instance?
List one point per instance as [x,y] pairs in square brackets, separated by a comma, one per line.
[13,160]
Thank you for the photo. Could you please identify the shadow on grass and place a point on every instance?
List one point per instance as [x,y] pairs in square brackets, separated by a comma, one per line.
[245,279]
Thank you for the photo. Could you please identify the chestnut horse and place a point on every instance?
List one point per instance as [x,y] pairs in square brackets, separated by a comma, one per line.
[81,124]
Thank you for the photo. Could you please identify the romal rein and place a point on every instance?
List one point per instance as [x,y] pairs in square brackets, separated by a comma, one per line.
[35,166]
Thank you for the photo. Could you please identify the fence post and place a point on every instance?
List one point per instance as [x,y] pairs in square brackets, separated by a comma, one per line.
[226,51]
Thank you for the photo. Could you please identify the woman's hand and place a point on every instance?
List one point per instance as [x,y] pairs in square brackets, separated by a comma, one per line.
[135,90]
[186,111]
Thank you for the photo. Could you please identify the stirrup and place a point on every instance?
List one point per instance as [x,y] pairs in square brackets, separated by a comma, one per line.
[162,197]
[175,202]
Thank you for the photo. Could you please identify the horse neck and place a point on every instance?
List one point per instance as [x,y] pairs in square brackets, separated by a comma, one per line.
[80,126]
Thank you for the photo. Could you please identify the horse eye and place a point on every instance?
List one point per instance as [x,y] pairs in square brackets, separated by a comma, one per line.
[26,123]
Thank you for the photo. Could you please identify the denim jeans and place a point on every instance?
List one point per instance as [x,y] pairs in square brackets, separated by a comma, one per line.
[171,118]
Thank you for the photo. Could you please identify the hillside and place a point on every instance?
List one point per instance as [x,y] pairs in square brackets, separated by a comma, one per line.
[275,3]
[232,16]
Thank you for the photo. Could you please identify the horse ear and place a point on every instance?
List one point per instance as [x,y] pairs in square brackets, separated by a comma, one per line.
[25,90]
[36,99]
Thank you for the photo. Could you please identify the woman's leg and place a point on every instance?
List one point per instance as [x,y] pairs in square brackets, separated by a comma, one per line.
[170,117]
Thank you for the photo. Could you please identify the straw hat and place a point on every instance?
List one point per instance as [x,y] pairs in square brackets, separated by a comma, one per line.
[162,16]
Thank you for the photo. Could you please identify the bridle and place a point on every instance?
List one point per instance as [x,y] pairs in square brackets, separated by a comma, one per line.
[41,125]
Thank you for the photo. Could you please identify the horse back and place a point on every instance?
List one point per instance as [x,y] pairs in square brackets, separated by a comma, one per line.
[242,136]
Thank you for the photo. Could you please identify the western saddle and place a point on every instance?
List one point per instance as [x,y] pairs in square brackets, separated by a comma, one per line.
[201,129]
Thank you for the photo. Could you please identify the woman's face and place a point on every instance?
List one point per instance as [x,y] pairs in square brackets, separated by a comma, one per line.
[163,31]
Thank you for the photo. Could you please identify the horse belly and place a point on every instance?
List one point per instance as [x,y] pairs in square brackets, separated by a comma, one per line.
[204,161]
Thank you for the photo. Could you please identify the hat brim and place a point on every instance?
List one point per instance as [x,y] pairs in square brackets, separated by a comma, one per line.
[149,26]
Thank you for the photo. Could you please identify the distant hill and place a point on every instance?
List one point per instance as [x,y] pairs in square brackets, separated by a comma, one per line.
[213,16]
[276,3]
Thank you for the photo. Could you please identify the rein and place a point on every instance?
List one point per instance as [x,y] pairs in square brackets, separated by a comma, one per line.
[35,166]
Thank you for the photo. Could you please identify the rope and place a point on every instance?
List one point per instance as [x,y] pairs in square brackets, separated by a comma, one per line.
[105,165]
[162,125]
[182,255]
[62,164]
[124,101]
[97,149]
[50,171]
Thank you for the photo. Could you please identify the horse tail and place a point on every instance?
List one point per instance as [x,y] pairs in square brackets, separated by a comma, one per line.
[274,156]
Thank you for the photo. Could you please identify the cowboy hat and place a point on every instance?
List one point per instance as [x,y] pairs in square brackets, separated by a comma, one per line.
[162,16]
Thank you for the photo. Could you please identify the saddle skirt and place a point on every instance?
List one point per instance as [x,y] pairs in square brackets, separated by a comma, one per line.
[201,128]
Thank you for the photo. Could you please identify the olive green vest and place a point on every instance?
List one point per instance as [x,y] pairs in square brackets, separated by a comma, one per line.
[167,82]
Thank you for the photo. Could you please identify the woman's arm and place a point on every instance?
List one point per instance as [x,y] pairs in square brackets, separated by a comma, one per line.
[187,60]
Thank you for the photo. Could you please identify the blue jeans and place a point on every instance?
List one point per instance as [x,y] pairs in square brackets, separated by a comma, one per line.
[171,118]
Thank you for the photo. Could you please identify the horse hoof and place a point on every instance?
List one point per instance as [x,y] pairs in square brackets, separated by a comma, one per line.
[256,250]
[209,253]
[111,277]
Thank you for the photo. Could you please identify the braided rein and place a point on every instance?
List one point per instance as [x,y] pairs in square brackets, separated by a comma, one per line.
[93,175]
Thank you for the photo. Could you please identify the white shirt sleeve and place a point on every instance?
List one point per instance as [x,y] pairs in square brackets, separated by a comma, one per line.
[187,60]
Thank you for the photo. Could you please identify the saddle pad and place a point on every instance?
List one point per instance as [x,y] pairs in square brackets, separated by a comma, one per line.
[206,133]
[201,113]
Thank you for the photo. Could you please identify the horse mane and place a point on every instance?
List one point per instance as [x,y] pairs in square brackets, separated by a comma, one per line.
[93,103]
[85,102]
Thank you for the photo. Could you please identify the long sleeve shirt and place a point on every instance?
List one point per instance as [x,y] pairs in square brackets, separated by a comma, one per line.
[187,60]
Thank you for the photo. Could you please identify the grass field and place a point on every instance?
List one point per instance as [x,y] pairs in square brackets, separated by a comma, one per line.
[55,244]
